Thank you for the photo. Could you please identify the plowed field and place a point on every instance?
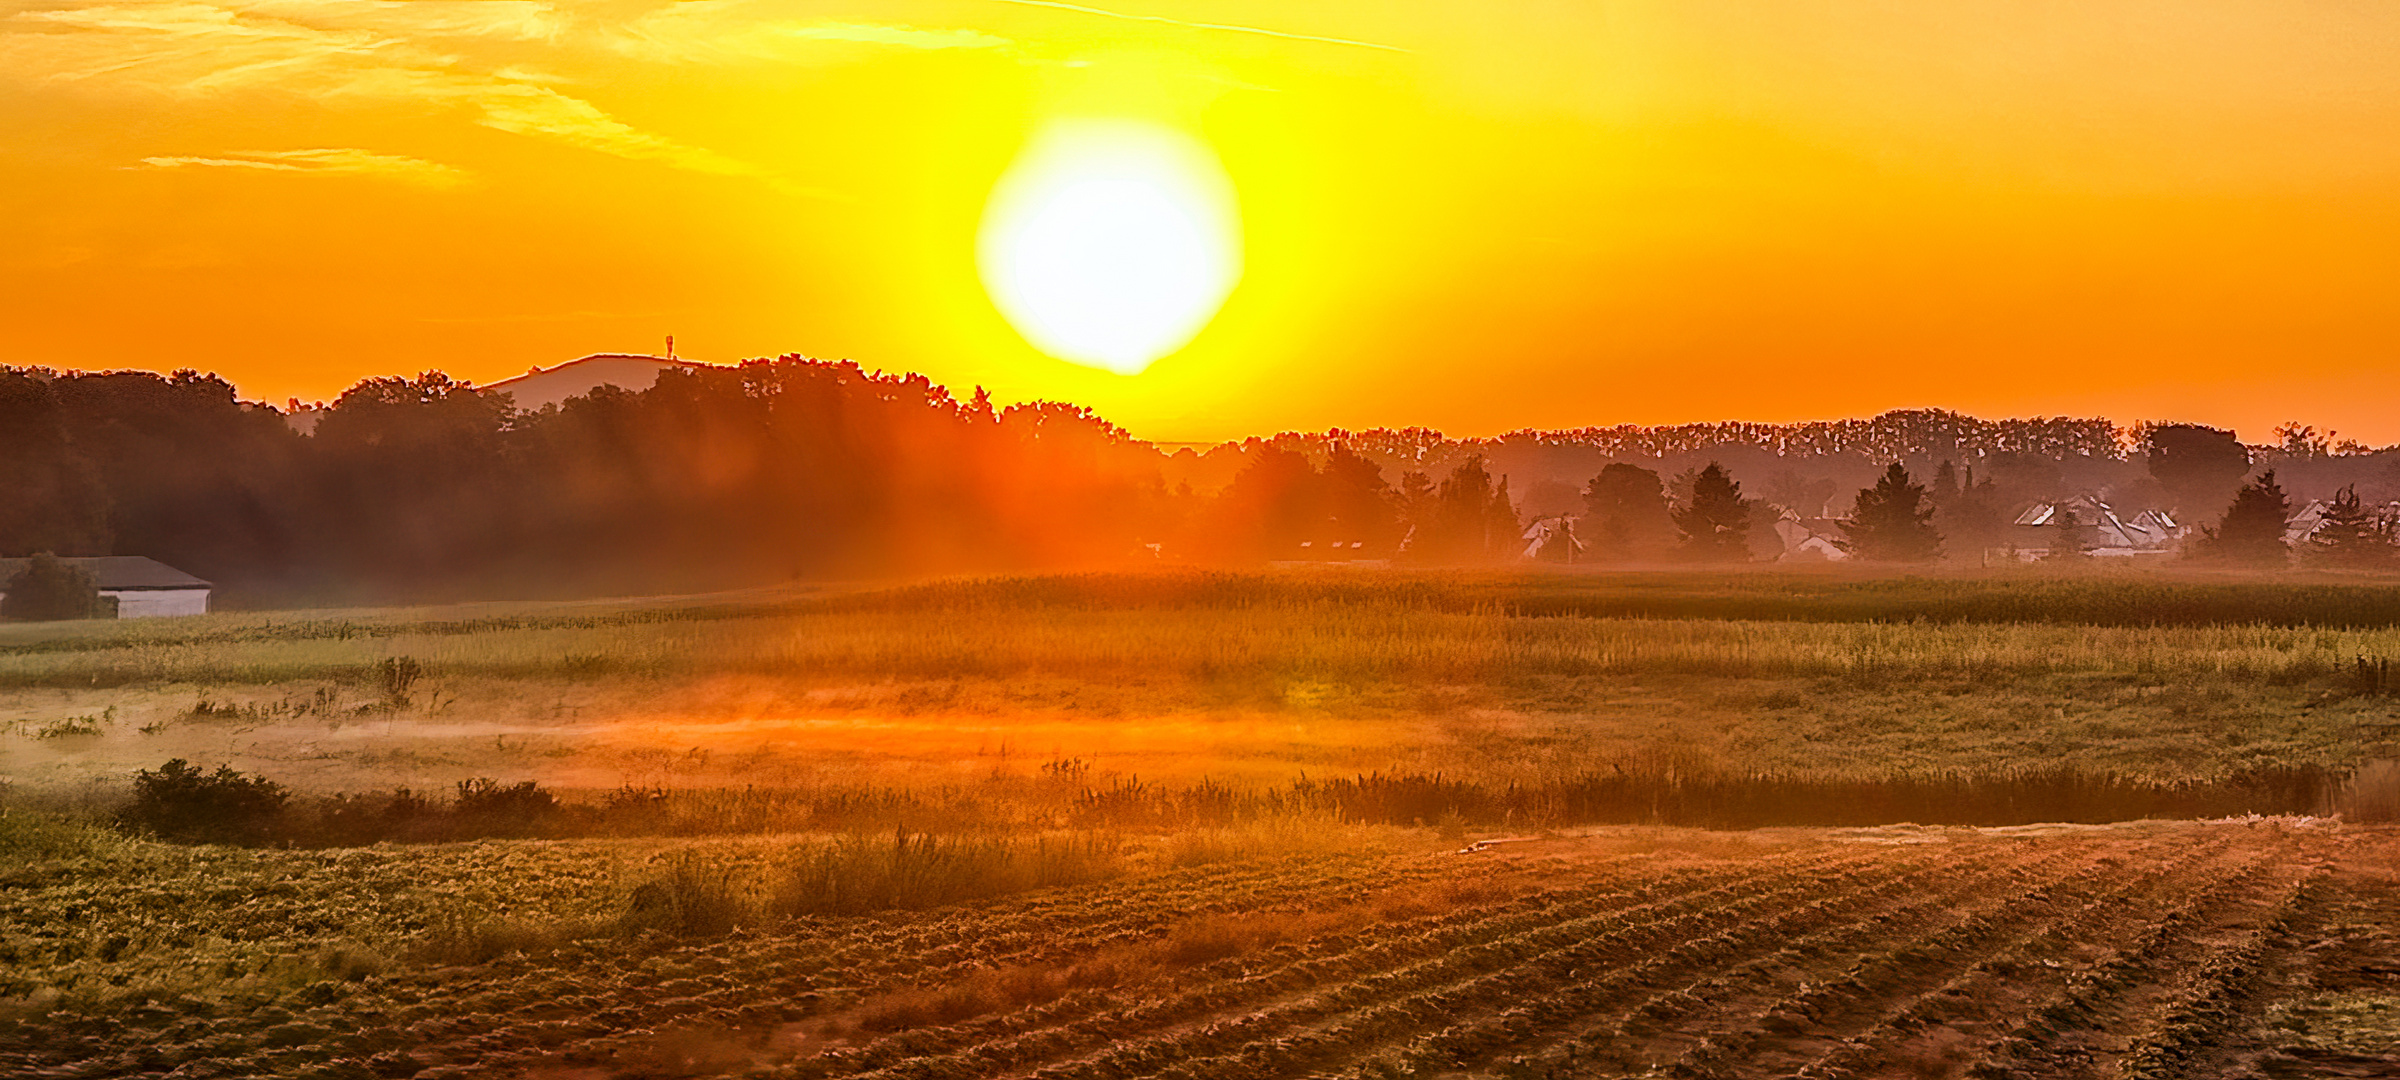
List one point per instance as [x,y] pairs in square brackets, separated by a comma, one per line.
[2163,950]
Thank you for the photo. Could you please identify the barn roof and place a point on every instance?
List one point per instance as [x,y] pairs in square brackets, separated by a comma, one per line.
[118,572]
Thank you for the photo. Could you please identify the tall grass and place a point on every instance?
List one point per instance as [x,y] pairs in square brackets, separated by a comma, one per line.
[860,874]
[1211,625]
[1373,642]
[2371,794]
[929,847]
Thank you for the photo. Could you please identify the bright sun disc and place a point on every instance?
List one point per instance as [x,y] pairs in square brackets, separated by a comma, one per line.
[1111,243]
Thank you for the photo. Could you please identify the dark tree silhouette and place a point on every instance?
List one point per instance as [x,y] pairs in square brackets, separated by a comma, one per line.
[1973,520]
[52,588]
[1893,521]
[1272,505]
[195,478]
[2351,536]
[1626,513]
[1503,531]
[51,496]
[2070,535]
[1416,494]
[1463,522]
[1359,503]
[2196,464]
[1944,489]
[1281,507]
[422,488]
[1716,522]
[2251,532]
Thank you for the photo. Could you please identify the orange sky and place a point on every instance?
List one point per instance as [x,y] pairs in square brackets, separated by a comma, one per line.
[1473,216]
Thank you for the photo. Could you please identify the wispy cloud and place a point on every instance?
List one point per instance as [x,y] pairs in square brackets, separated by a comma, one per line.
[537,110]
[1227,27]
[188,48]
[902,36]
[327,161]
[515,20]
[720,30]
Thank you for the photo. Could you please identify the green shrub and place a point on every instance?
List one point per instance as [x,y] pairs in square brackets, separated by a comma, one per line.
[181,803]
[487,807]
[52,588]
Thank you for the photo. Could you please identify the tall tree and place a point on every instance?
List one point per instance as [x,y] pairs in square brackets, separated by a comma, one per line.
[1974,520]
[2251,532]
[1272,505]
[2352,536]
[1893,521]
[52,498]
[1503,531]
[2196,464]
[2294,439]
[1716,522]
[1944,490]
[1358,502]
[2070,535]
[52,588]
[1626,513]
[1462,518]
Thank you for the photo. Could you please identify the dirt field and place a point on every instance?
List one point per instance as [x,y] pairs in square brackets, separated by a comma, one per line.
[2243,948]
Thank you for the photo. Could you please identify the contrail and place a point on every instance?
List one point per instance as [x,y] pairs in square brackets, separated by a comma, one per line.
[1200,25]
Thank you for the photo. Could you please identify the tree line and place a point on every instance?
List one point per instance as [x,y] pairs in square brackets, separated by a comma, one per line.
[426,487]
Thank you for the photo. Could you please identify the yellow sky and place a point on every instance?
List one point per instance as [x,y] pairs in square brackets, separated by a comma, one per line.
[1474,216]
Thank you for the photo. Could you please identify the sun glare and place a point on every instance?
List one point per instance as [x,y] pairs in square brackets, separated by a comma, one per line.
[1111,243]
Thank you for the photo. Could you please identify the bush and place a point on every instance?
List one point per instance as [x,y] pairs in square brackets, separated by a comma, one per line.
[52,588]
[857,875]
[352,820]
[487,807]
[181,803]
[688,898]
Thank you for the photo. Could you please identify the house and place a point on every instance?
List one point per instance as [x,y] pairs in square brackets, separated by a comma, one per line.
[1807,539]
[2151,532]
[140,586]
[2156,528]
[2306,521]
[1553,539]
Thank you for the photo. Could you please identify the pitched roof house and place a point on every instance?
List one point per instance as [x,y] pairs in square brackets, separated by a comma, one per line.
[2105,533]
[1807,539]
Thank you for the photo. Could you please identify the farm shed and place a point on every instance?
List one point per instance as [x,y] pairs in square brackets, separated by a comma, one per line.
[141,586]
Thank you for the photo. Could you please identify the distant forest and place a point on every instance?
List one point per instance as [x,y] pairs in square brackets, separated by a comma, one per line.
[428,488]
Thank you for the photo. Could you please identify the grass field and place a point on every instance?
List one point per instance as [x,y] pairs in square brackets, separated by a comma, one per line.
[1243,679]
[1208,825]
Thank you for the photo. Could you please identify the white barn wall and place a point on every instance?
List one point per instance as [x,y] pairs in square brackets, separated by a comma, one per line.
[143,603]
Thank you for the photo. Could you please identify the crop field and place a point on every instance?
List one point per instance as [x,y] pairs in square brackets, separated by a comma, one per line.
[1249,679]
[1210,826]
[2241,948]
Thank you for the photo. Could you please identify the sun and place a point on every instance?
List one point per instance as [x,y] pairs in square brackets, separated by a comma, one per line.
[1111,243]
